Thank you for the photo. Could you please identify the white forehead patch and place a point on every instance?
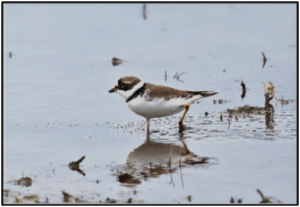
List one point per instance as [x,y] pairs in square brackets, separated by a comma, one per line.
[128,93]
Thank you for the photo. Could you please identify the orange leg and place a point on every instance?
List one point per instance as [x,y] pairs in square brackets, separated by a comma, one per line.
[181,125]
[148,125]
[187,151]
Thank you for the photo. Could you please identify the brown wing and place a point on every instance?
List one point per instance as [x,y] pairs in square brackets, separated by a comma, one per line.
[203,93]
[157,91]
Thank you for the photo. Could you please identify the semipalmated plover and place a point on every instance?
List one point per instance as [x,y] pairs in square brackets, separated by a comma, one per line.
[152,101]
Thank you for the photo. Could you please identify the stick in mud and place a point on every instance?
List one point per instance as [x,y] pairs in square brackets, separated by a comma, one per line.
[269,93]
[264,60]
[175,75]
[267,199]
[244,90]
[77,162]
[166,76]
[75,165]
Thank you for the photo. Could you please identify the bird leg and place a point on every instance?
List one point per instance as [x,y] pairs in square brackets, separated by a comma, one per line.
[181,125]
[148,126]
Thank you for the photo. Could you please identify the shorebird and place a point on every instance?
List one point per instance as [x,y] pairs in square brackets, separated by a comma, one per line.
[152,101]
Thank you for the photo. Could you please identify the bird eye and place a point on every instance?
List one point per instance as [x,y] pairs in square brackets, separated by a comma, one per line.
[122,85]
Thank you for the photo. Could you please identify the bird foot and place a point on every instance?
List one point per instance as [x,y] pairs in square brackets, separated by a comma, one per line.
[181,126]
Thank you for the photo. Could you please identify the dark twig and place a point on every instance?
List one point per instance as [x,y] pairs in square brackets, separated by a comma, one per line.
[267,199]
[264,60]
[244,90]
[269,93]
[67,196]
[75,165]
[77,162]
[166,76]
[175,75]
[181,74]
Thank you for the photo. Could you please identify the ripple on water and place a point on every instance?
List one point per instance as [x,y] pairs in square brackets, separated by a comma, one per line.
[199,127]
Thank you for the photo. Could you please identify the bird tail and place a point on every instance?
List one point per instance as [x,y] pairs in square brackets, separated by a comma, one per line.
[204,94]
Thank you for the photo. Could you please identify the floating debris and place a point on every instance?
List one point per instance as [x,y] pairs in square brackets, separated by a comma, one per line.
[284,101]
[66,197]
[116,61]
[75,165]
[244,90]
[6,192]
[199,160]
[10,54]
[267,199]
[236,117]
[232,200]
[127,178]
[220,101]
[246,109]
[269,95]
[189,198]
[27,181]
[108,200]
[18,200]
[268,110]
[144,12]
[129,200]
[264,60]
[34,198]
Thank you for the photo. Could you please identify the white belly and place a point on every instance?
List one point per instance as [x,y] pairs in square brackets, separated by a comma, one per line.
[158,107]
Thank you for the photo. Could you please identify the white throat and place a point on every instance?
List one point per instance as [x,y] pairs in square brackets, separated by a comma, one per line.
[128,93]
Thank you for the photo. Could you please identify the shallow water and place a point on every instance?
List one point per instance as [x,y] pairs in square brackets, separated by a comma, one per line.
[57,107]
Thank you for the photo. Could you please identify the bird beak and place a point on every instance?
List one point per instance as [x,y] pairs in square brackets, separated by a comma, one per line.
[113,89]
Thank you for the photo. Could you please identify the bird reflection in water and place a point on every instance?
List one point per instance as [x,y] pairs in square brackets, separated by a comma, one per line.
[152,159]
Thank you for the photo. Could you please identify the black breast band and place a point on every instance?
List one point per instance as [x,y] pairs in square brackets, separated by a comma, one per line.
[138,92]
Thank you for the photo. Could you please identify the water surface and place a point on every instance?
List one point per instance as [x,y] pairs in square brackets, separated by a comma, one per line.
[57,107]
